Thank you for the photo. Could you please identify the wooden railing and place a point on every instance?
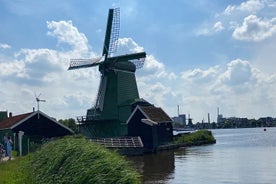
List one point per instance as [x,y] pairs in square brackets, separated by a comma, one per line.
[120,142]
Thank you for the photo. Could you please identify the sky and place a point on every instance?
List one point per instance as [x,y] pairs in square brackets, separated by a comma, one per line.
[201,55]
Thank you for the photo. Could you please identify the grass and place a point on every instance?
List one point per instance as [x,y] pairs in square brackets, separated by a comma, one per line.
[73,160]
[14,172]
[196,138]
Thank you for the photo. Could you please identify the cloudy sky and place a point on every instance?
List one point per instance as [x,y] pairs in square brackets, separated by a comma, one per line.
[200,54]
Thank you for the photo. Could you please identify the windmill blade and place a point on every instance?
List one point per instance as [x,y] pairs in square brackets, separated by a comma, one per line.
[37,96]
[84,63]
[112,32]
[139,63]
[128,57]
[113,44]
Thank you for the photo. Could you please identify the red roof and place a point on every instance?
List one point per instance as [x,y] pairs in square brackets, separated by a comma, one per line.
[156,114]
[10,121]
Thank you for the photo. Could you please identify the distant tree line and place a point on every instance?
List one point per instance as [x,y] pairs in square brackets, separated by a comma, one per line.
[247,123]
[232,122]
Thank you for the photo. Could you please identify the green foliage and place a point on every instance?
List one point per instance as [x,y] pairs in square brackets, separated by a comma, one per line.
[70,123]
[77,160]
[197,138]
[73,160]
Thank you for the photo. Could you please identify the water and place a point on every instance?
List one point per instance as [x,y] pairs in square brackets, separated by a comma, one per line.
[239,156]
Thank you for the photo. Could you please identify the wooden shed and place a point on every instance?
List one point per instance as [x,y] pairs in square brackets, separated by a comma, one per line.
[152,124]
[34,125]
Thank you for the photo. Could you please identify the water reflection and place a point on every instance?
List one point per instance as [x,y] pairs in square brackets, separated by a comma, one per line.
[240,156]
[155,168]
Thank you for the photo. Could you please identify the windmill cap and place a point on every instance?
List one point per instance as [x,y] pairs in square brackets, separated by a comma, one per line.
[129,66]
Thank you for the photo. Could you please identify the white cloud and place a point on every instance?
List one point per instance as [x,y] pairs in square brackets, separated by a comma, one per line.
[152,64]
[264,55]
[218,26]
[251,6]
[4,46]
[207,29]
[202,76]
[230,18]
[127,46]
[65,32]
[255,29]
[16,68]
[238,72]
[156,93]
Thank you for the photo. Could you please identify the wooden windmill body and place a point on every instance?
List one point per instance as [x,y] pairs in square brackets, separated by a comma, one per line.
[117,90]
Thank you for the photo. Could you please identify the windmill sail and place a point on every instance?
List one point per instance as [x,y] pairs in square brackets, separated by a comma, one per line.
[84,63]
[112,32]
[101,91]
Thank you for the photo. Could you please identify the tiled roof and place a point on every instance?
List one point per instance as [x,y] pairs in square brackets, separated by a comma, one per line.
[156,114]
[10,121]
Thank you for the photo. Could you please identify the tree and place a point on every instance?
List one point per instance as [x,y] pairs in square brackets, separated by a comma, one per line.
[70,123]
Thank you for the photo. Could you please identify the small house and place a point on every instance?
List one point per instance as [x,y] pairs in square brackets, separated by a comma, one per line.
[32,126]
[152,124]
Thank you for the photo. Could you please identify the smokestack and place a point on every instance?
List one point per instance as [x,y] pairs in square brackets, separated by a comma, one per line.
[208,117]
[10,114]
[33,109]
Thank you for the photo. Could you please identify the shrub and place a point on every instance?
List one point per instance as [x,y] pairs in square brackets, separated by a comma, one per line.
[196,138]
[77,160]
[73,160]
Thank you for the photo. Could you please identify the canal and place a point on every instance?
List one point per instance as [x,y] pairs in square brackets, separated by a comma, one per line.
[239,156]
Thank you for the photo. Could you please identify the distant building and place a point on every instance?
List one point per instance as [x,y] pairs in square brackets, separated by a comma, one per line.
[220,119]
[181,119]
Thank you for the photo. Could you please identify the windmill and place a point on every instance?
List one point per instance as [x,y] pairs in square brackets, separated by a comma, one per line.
[37,102]
[117,89]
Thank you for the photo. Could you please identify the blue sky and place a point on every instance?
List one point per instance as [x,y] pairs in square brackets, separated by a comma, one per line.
[200,54]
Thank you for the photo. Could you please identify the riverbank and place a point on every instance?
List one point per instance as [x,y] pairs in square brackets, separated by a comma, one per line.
[197,138]
[77,160]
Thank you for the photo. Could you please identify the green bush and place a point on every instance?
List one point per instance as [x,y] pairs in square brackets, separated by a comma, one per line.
[79,161]
[197,138]
[70,160]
